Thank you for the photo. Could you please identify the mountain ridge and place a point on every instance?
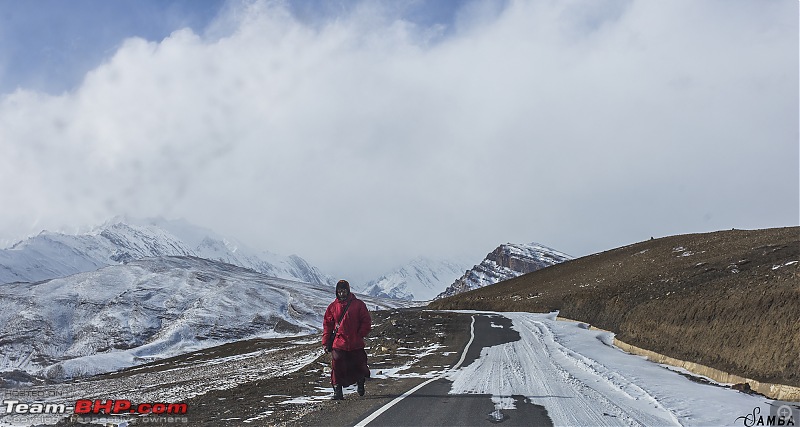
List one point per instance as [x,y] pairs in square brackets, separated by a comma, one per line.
[507,261]
[51,255]
[148,309]
[421,279]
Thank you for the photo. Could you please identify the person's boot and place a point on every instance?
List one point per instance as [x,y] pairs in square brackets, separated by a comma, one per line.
[337,393]
[361,390]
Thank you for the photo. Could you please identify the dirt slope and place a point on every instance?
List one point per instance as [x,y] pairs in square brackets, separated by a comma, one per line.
[728,299]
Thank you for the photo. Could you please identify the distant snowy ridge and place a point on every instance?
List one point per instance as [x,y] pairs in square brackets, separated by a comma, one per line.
[506,262]
[123,315]
[420,280]
[50,255]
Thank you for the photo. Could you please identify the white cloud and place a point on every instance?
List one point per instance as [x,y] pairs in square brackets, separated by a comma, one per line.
[365,140]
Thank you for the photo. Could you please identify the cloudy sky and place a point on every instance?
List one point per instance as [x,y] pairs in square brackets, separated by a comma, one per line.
[362,134]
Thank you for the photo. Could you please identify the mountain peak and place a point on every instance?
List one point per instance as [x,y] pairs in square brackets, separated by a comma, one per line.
[420,279]
[121,239]
[507,261]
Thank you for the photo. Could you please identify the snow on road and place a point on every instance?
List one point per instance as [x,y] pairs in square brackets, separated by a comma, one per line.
[581,379]
[574,372]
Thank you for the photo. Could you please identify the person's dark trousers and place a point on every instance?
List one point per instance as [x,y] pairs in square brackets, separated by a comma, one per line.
[349,367]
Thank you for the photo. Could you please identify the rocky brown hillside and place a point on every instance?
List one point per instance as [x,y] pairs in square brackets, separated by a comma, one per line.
[728,299]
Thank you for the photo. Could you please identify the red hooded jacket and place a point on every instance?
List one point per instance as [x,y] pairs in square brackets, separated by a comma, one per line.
[355,325]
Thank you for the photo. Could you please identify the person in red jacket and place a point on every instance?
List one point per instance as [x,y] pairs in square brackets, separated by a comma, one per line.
[349,318]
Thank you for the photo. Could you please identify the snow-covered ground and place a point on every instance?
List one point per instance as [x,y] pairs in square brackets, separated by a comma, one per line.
[575,373]
[150,309]
[583,380]
[175,382]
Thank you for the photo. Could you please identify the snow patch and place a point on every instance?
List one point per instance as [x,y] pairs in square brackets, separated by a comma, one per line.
[775,267]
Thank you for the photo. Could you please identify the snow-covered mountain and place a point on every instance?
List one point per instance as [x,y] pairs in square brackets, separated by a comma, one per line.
[50,255]
[124,315]
[421,279]
[506,262]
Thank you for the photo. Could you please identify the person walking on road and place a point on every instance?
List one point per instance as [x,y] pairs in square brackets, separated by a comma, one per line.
[344,327]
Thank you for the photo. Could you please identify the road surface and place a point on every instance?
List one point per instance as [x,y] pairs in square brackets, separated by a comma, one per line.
[431,403]
[547,372]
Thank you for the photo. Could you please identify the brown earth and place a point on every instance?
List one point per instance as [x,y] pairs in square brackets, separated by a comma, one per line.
[729,299]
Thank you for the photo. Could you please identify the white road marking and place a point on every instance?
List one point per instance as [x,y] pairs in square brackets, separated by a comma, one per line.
[385,407]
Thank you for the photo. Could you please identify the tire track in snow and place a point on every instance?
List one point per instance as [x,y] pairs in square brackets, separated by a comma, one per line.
[622,398]
[575,390]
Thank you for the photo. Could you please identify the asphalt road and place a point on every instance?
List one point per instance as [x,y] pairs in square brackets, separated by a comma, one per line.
[431,404]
